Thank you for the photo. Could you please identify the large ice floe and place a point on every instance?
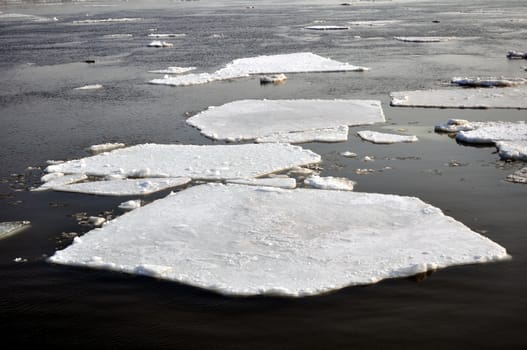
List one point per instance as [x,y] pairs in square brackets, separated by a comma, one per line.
[216,162]
[245,240]
[291,121]
[507,97]
[381,137]
[10,228]
[243,67]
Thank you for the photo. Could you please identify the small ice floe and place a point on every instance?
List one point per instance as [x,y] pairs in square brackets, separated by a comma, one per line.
[286,120]
[516,55]
[515,150]
[329,27]
[379,137]
[330,183]
[519,176]
[126,187]
[507,97]
[59,179]
[273,79]
[455,125]
[173,70]
[280,182]
[197,162]
[106,147]
[89,87]
[130,205]
[95,221]
[302,62]
[159,43]
[368,159]
[423,39]
[20,260]
[107,21]
[348,154]
[10,228]
[161,36]
[488,82]
[282,246]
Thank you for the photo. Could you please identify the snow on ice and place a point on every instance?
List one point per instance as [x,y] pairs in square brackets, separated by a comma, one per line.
[280,120]
[282,246]
[10,228]
[124,187]
[379,137]
[197,162]
[330,183]
[243,67]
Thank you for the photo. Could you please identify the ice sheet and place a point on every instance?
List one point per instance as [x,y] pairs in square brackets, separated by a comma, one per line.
[515,150]
[512,97]
[125,187]
[158,43]
[282,245]
[330,183]
[263,119]
[423,39]
[380,137]
[280,182]
[243,67]
[10,228]
[197,162]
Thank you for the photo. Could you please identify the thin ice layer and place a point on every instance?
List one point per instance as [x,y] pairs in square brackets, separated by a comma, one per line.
[126,187]
[511,97]
[380,137]
[514,150]
[264,119]
[243,67]
[10,228]
[197,162]
[283,245]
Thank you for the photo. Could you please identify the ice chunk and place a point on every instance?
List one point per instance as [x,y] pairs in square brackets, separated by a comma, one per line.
[96,221]
[379,137]
[243,67]
[423,39]
[22,17]
[379,23]
[491,132]
[348,154]
[108,20]
[173,70]
[516,55]
[173,35]
[519,176]
[508,97]
[330,183]
[282,245]
[127,187]
[197,162]
[488,82]
[455,125]
[280,182]
[10,228]
[338,134]
[106,147]
[158,43]
[329,27]
[59,179]
[263,119]
[515,150]
[130,205]
[274,79]
[89,87]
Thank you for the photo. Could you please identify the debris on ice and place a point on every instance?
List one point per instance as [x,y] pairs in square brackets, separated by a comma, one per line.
[10,228]
[130,205]
[330,183]
[301,62]
[158,43]
[173,70]
[515,150]
[106,147]
[488,82]
[280,182]
[89,87]
[278,120]
[126,187]
[519,176]
[197,162]
[273,79]
[282,246]
[516,55]
[423,39]
[379,137]
[329,27]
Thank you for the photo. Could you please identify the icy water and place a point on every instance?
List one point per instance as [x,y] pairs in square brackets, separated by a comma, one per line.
[44,118]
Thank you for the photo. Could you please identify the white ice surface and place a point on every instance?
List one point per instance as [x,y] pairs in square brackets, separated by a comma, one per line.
[130,205]
[126,187]
[514,150]
[170,35]
[59,180]
[338,134]
[197,162]
[264,119]
[274,79]
[380,137]
[106,147]
[280,182]
[243,67]
[173,70]
[491,132]
[10,228]
[328,27]
[423,39]
[455,125]
[89,87]
[158,43]
[281,245]
[510,97]
[330,183]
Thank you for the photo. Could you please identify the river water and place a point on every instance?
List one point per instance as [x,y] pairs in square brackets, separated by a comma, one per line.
[44,118]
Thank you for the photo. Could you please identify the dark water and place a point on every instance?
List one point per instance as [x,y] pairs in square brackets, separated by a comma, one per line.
[43,118]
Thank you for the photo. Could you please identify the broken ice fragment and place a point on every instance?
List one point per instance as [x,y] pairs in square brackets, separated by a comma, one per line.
[243,67]
[10,228]
[274,79]
[95,221]
[348,154]
[272,120]
[159,36]
[519,176]
[488,82]
[107,20]
[282,245]
[90,87]
[513,150]
[280,182]
[330,183]
[455,125]
[59,179]
[125,187]
[130,205]
[516,55]
[158,43]
[423,39]
[106,147]
[197,162]
[173,70]
[329,27]
[379,137]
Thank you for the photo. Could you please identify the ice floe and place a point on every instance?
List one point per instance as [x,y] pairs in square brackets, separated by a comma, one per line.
[197,162]
[330,183]
[519,176]
[158,43]
[243,67]
[130,205]
[273,79]
[507,97]
[286,120]
[380,137]
[108,20]
[491,132]
[160,36]
[173,70]
[328,27]
[282,246]
[488,82]
[90,87]
[516,55]
[10,228]
[280,182]
[124,187]
[455,125]
[59,179]
[106,147]
[423,39]
[515,150]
